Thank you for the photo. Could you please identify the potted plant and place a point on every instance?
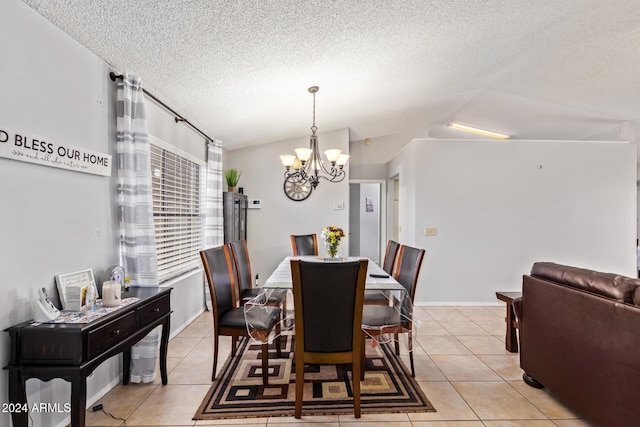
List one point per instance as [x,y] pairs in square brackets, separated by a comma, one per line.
[232,176]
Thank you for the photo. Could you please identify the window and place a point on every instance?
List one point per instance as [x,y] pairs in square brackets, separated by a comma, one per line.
[178,191]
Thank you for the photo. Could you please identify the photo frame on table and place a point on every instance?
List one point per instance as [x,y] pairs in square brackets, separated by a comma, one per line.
[72,288]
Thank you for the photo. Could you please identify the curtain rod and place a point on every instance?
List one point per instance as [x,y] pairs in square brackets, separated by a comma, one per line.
[177,117]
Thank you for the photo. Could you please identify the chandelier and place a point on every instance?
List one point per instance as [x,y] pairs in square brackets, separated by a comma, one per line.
[305,170]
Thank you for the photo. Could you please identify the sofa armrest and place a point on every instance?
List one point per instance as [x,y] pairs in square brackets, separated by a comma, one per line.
[517,308]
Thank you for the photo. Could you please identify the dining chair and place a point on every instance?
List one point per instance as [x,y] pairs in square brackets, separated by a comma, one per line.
[397,318]
[328,300]
[242,263]
[381,297]
[305,244]
[228,315]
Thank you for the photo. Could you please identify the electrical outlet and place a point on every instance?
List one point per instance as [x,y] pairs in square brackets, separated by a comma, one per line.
[429,231]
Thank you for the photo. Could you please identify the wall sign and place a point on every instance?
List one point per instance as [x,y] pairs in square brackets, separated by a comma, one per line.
[32,148]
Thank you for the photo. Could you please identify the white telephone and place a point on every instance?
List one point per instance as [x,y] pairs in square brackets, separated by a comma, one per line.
[43,308]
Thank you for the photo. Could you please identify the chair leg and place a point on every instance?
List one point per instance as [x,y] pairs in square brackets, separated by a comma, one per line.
[234,345]
[215,355]
[397,342]
[299,385]
[278,341]
[265,363]
[363,358]
[355,376]
[413,371]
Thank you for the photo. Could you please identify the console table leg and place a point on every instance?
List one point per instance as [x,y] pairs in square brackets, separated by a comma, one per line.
[126,366]
[164,345]
[78,399]
[18,395]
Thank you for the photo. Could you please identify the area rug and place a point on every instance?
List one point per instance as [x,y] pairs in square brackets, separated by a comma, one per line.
[238,391]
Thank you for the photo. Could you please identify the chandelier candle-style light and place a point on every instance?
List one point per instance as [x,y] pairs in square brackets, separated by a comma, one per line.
[305,170]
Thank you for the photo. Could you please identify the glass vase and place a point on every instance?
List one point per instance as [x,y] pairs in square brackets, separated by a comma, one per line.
[332,250]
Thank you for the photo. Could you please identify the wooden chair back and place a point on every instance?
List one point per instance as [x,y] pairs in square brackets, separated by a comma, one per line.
[305,244]
[328,302]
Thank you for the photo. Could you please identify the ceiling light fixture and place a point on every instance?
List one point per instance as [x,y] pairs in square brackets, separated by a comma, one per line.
[478,131]
[305,170]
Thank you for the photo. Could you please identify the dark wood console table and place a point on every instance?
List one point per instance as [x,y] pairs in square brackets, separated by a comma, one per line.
[73,351]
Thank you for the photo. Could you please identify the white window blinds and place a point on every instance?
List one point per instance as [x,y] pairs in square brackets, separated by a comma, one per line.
[178,189]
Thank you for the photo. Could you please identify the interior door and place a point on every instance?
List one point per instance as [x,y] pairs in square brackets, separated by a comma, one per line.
[365,219]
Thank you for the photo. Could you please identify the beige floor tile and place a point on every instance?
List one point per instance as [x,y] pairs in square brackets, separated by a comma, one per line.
[463,328]
[445,313]
[248,422]
[193,370]
[431,328]
[572,423]
[169,405]
[520,423]
[120,402]
[487,344]
[496,327]
[357,423]
[447,401]
[497,401]
[460,360]
[197,329]
[464,368]
[426,370]
[447,424]
[505,365]
[180,347]
[316,421]
[379,419]
[446,344]
[205,348]
[481,314]
[421,314]
[544,401]
[172,362]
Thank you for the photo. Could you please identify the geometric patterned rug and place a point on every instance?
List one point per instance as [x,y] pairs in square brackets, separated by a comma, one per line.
[238,391]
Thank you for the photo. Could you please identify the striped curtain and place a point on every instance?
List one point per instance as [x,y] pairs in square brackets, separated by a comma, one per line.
[135,211]
[213,222]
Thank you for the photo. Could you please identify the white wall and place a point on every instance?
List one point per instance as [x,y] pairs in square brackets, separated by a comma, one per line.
[52,220]
[500,206]
[269,227]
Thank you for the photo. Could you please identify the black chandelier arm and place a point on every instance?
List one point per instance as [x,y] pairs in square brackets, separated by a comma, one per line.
[335,175]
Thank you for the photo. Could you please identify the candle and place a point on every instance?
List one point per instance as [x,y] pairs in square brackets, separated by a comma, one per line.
[110,294]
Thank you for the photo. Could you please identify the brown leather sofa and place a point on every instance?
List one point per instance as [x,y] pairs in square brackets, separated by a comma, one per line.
[580,338]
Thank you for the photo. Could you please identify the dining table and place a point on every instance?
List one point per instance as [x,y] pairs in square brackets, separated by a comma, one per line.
[377,280]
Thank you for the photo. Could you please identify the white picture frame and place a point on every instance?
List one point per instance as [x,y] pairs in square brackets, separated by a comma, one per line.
[76,279]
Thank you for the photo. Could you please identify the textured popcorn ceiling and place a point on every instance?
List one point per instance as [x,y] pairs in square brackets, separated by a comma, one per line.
[239,70]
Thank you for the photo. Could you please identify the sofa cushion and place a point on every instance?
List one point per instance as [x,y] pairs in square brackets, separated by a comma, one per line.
[636,296]
[620,288]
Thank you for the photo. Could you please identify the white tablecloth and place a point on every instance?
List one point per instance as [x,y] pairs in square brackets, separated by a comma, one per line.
[281,277]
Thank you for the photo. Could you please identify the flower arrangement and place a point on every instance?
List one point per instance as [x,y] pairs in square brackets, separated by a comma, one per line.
[332,235]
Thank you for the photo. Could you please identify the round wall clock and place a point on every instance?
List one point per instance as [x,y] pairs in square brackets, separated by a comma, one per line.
[297,191]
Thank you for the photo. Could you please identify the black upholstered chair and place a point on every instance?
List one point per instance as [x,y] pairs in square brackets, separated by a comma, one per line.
[390,256]
[306,244]
[379,297]
[228,315]
[240,253]
[328,300]
[396,319]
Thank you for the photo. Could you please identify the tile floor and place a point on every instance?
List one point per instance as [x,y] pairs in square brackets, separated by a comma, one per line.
[461,364]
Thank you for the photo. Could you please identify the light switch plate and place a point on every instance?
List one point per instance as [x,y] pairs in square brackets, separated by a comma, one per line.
[430,231]
[338,206]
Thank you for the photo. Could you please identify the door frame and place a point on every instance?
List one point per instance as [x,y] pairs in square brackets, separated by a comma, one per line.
[383,211]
